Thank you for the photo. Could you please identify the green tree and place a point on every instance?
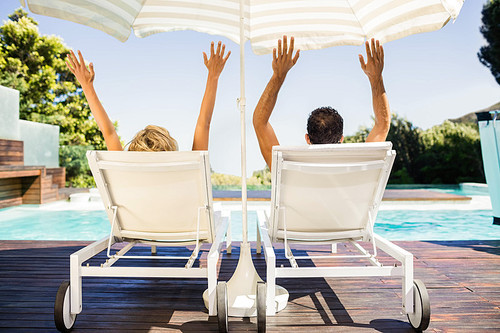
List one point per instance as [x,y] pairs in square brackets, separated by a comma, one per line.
[451,154]
[261,177]
[405,139]
[359,136]
[489,55]
[35,65]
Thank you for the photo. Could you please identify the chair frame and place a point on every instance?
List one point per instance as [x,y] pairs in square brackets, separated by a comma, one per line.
[219,223]
[267,225]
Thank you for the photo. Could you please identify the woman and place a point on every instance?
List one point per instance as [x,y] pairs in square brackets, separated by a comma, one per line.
[152,138]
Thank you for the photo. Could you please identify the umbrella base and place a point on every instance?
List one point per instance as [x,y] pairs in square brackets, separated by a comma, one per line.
[242,286]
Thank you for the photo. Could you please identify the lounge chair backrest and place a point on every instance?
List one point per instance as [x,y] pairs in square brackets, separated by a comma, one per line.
[328,191]
[157,195]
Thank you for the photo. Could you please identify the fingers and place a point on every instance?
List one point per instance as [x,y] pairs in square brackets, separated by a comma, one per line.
[275,57]
[381,53]
[219,52]
[377,49]
[72,59]
[91,68]
[285,45]
[294,60]
[362,62]
[283,49]
[69,66]
[228,54]
[205,58]
[368,51]
[82,62]
[218,48]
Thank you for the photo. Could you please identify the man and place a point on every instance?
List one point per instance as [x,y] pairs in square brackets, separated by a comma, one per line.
[324,125]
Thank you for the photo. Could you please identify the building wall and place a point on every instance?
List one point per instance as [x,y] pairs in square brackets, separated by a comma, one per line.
[9,113]
[41,141]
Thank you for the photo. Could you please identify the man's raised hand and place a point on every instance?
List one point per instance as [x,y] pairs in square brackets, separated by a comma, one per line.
[283,58]
[374,59]
[77,67]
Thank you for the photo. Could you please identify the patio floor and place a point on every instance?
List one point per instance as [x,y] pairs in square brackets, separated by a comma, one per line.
[462,278]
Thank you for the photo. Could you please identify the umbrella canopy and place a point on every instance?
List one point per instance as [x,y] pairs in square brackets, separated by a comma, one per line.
[315,24]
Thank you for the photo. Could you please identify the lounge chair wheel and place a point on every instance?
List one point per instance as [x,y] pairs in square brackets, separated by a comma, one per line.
[421,315]
[261,306]
[222,306]
[62,316]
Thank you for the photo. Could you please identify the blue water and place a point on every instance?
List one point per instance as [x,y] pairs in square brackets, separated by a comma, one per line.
[31,223]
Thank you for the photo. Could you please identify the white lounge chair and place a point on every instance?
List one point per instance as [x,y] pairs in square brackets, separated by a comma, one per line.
[329,194]
[157,198]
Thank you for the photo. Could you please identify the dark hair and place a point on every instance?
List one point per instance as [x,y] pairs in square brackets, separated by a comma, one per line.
[325,125]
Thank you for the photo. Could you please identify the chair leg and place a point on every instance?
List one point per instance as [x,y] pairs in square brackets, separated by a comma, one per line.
[407,291]
[271,286]
[75,285]
[212,285]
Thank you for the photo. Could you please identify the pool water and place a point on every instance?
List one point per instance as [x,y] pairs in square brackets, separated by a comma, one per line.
[30,222]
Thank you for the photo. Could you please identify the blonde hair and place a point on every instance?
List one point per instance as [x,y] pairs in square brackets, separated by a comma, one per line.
[153,138]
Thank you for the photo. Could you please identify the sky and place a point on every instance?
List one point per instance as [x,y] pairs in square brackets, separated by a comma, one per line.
[160,80]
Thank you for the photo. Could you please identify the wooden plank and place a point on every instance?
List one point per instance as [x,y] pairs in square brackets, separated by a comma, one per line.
[11,147]
[10,142]
[19,167]
[9,181]
[13,163]
[11,152]
[15,192]
[11,158]
[32,191]
[58,176]
[16,174]
[9,187]
[16,201]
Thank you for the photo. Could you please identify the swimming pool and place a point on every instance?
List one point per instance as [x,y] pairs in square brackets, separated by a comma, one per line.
[61,221]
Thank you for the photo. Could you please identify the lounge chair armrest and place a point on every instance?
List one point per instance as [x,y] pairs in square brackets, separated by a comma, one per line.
[264,233]
[222,224]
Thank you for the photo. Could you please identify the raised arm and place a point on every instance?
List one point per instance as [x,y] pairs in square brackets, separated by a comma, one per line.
[215,65]
[86,78]
[283,61]
[373,69]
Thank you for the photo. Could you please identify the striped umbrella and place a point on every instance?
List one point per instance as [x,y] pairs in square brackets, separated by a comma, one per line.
[315,24]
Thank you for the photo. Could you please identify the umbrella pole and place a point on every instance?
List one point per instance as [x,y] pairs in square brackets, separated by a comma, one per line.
[242,286]
[242,105]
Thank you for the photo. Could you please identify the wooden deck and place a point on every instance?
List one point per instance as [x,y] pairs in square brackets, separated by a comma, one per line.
[462,278]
